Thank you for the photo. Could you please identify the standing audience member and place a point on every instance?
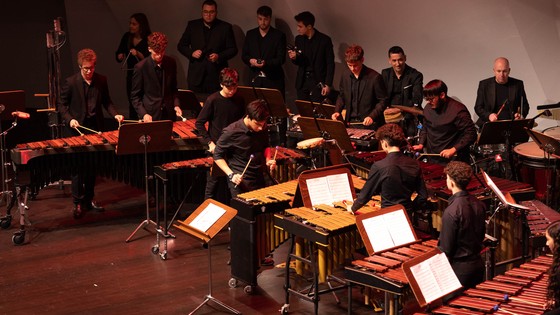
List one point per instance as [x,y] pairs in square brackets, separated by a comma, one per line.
[362,92]
[313,54]
[553,242]
[208,43]
[448,129]
[500,90]
[463,227]
[133,48]
[404,87]
[154,83]
[219,111]
[82,99]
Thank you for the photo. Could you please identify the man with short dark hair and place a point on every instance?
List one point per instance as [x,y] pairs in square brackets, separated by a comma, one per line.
[243,151]
[219,111]
[208,43]
[463,227]
[82,99]
[154,83]
[396,177]
[404,87]
[313,54]
[448,129]
[362,92]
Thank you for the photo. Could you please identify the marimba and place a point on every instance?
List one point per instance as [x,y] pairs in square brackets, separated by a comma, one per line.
[520,291]
[383,272]
[537,219]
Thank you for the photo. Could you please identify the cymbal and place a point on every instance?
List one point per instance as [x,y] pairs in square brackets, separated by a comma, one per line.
[412,110]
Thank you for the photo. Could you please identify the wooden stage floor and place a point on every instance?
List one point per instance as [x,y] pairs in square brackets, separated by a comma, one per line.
[84,266]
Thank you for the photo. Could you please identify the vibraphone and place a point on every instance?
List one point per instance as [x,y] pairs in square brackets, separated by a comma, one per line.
[252,233]
[329,230]
[383,271]
[519,291]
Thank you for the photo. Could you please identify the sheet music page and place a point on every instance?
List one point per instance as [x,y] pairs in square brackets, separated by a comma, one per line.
[401,233]
[207,217]
[499,193]
[339,185]
[435,277]
[378,233]
[319,191]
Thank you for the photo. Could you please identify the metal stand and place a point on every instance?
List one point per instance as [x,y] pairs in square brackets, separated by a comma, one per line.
[145,139]
[7,195]
[209,296]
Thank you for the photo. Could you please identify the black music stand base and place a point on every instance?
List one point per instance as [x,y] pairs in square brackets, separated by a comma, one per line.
[209,296]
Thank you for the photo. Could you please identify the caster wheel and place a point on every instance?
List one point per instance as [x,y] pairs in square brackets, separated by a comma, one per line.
[232,283]
[163,255]
[248,289]
[155,249]
[6,222]
[18,238]
[285,309]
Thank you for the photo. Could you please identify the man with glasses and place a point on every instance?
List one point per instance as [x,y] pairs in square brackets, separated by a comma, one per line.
[448,129]
[82,99]
[154,83]
[208,43]
[243,151]
[219,111]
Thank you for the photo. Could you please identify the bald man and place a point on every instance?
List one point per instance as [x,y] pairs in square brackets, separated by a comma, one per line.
[500,90]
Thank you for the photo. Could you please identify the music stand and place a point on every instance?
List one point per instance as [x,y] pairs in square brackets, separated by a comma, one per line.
[203,224]
[313,109]
[550,146]
[189,103]
[143,138]
[508,132]
[272,97]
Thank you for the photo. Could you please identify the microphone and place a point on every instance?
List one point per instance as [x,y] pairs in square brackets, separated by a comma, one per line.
[20,115]
[497,158]
[2,108]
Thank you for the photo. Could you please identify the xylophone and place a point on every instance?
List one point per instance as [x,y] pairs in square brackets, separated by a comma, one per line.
[252,233]
[328,230]
[383,272]
[537,219]
[521,290]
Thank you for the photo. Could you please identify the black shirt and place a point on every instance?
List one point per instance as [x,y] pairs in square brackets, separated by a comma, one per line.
[236,145]
[462,228]
[219,112]
[395,177]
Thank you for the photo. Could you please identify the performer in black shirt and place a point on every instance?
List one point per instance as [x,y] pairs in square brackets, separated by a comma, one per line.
[82,99]
[219,111]
[242,151]
[463,226]
[208,43]
[448,129]
[396,177]
[404,87]
[313,54]
[500,90]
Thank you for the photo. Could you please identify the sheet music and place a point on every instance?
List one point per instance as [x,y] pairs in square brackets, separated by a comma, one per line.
[435,277]
[388,230]
[329,189]
[499,193]
[210,215]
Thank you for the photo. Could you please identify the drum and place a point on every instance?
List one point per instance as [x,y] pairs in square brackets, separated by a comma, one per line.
[553,132]
[310,143]
[533,169]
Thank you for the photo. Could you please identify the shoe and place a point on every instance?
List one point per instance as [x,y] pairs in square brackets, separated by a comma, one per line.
[267,261]
[77,211]
[93,206]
